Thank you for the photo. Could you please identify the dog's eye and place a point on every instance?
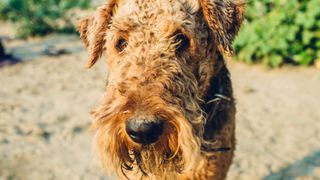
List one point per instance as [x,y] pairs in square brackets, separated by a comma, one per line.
[182,42]
[121,44]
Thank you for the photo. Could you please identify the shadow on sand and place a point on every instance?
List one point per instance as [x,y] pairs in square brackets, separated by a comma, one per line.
[302,167]
[53,45]
[6,59]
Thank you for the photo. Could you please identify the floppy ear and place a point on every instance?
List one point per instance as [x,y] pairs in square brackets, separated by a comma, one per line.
[224,18]
[93,29]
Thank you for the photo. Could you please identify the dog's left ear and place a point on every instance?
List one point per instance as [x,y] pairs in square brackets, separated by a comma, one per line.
[224,18]
[92,31]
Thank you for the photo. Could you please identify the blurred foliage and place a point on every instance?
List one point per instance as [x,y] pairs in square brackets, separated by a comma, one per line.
[280,31]
[275,31]
[40,17]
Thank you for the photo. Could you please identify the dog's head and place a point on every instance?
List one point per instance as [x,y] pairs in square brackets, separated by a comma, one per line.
[161,56]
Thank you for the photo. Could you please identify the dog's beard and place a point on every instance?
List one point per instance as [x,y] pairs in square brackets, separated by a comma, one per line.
[176,151]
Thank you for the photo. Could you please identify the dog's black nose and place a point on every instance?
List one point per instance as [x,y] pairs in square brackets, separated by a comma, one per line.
[144,131]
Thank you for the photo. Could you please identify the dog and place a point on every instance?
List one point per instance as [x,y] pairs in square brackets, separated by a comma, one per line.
[168,111]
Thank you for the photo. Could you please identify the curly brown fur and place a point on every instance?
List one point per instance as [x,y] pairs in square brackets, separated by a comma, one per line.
[155,74]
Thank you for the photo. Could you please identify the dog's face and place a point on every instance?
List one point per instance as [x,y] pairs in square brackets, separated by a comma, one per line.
[161,56]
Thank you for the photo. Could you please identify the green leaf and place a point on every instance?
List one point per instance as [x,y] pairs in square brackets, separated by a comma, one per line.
[275,60]
[307,36]
[303,58]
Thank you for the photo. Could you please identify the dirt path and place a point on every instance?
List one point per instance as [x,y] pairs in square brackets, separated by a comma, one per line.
[44,120]
[278,124]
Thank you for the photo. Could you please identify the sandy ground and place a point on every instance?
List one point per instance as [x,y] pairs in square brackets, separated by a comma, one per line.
[44,119]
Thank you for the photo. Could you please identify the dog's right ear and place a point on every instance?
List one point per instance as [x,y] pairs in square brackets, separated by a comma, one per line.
[93,29]
[224,18]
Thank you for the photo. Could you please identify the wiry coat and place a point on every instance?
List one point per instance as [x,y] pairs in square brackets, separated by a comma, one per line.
[165,60]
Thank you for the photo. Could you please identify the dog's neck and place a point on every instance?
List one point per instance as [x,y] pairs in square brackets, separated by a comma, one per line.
[217,101]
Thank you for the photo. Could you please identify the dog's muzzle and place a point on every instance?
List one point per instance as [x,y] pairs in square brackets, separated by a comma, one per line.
[144,131]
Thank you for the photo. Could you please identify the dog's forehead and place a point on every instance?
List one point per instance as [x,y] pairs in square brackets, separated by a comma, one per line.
[127,7]
[153,14]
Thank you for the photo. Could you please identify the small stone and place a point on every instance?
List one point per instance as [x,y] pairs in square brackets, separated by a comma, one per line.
[317,64]
[248,90]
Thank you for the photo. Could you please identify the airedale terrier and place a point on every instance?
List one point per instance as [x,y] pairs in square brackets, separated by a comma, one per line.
[168,110]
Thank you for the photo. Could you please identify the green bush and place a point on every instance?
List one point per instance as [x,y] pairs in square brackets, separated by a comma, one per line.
[280,31]
[39,17]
